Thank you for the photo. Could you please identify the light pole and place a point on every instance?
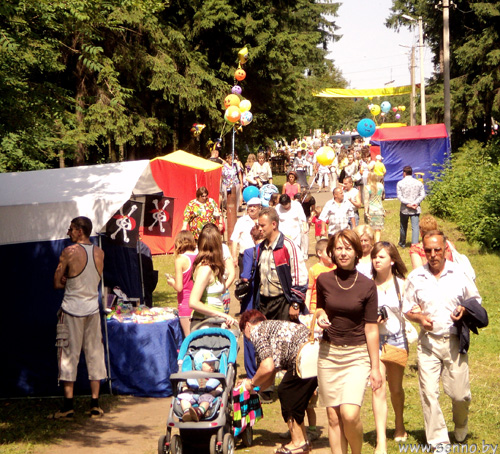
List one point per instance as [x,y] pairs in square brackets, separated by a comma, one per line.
[446,55]
[422,77]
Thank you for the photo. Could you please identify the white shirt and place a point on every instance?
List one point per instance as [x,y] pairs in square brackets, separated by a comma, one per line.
[336,215]
[438,298]
[241,233]
[291,221]
[351,194]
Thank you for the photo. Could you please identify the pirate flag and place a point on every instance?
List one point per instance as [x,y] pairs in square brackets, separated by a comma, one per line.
[158,215]
[123,227]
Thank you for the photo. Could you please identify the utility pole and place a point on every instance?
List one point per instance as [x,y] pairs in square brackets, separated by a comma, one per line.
[413,91]
[422,77]
[446,55]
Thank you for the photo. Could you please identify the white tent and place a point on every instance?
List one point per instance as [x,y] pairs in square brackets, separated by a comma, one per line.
[39,205]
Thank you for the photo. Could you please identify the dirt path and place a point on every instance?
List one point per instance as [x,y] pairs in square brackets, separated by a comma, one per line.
[134,425]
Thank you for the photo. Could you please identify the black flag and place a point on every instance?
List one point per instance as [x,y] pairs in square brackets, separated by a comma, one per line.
[123,227]
[158,215]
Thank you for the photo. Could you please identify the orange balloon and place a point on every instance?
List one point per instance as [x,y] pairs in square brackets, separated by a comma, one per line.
[240,74]
[233,114]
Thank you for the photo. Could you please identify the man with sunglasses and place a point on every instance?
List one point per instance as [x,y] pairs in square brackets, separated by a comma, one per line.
[436,296]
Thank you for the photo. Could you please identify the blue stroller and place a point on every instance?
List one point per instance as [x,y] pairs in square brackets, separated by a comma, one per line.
[215,430]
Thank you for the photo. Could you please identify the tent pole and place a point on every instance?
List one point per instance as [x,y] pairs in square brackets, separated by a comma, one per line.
[105,322]
[141,271]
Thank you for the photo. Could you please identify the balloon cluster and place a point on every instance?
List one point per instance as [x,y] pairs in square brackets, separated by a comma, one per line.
[385,108]
[237,107]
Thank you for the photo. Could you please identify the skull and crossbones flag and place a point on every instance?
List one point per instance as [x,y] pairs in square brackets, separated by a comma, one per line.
[158,215]
[123,227]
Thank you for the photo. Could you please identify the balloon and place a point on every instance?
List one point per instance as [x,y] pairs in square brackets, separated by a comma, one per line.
[232,114]
[231,100]
[266,192]
[303,145]
[385,106]
[394,109]
[370,106]
[196,129]
[246,118]
[375,110]
[398,116]
[250,192]
[403,108]
[236,90]
[366,98]
[245,105]
[325,155]
[370,97]
[243,55]
[382,114]
[366,127]
[240,74]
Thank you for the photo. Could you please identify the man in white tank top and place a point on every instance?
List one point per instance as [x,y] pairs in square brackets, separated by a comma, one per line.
[79,274]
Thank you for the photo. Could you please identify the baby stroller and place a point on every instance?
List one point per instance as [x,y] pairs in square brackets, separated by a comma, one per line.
[216,429]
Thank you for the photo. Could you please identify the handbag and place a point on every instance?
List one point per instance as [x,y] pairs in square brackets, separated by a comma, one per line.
[241,289]
[306,363]
[247,409]
[395,355]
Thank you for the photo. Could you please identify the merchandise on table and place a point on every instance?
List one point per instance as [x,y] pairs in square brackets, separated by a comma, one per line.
[126,313]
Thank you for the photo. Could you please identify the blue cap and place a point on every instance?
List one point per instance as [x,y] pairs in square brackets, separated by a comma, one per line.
[203,356]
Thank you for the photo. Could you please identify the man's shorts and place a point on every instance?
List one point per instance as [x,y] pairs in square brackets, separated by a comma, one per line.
[73,334]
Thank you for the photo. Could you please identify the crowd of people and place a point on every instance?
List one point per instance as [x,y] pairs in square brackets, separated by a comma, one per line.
[358,290]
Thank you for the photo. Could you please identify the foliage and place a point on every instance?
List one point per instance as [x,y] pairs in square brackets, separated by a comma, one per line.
[474,62]
[468,193]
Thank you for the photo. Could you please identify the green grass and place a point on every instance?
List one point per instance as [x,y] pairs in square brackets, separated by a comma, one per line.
[23,427]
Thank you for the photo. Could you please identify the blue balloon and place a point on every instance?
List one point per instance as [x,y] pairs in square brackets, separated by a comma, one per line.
[366,127]
[250,192]
[385,106]
[266,192]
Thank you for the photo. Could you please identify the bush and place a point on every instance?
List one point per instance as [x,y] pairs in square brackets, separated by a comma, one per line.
[468,192]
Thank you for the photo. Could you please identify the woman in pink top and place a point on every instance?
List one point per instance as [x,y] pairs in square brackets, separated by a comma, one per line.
[291,187]
[184,246]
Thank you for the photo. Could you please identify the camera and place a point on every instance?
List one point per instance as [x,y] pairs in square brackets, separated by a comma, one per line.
[382,313]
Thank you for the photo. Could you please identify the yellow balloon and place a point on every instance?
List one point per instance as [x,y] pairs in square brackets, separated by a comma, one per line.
[375,110]
[232,114]
[245,105]
[243,55]
[403,108]
[325,156]
[231,100]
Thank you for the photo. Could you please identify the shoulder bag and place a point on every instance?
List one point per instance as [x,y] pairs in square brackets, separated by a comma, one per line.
[306,363]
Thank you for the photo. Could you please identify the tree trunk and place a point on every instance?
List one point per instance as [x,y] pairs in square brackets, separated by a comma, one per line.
[61,159]
[81,93]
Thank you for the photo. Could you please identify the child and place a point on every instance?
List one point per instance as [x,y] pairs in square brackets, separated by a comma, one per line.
[184,248]
[201,391]
[318,225]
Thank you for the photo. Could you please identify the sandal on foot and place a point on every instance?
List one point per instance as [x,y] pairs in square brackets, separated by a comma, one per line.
[96,412]
[304,449]
[63,415]
[401,439]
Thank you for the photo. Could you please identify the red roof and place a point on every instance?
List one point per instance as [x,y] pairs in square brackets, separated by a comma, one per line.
[410,133]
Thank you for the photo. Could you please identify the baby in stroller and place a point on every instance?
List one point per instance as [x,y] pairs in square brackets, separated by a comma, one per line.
[200,391]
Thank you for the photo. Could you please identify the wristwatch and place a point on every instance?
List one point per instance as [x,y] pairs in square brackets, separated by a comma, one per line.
[295,306]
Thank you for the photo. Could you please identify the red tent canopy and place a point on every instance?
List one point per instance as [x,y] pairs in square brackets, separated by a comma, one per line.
[437,131]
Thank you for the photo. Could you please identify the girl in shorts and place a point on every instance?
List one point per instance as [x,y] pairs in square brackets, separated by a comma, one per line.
[182,282]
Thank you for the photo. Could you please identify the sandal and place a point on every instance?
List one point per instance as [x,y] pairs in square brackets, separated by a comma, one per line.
[96,412]
[304,449]
[62,415]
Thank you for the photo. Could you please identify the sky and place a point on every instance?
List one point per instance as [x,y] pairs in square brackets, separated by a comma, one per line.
[369,54]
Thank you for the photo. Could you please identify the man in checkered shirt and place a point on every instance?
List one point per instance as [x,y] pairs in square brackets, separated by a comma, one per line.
[337,213]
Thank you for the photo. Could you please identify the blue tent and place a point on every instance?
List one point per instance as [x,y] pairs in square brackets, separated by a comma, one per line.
[424,148]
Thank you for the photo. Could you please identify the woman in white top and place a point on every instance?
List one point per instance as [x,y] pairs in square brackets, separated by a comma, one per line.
[367,238]
[261,171]
[389,273]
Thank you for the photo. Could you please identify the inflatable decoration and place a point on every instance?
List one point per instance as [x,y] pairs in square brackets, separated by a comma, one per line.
[231,100]
[394,109]
[303,145]
[325,156]
[243,55]
[366,127]
[375,110]
[240,74]
[246,118]
[232,114]
[402,108]
[236,90]
[245,105]
[385,106]
[266,192]
[250,192]
[398,116]
[196,129]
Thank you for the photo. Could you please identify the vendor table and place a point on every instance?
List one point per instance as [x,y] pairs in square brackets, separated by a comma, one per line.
[143,356]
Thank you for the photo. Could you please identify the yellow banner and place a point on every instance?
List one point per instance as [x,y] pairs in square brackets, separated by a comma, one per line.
[364,93]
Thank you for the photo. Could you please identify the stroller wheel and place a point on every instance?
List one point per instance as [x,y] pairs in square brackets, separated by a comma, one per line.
[247,437]
[176,445]
[162,448]
[213,444]
[228,444]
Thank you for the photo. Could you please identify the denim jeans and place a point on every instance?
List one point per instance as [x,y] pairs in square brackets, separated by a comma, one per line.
[403,222]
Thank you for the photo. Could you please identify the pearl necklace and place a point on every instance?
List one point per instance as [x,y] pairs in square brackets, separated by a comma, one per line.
[351,286]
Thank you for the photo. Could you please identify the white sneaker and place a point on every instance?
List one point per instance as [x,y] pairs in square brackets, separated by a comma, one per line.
[461,433]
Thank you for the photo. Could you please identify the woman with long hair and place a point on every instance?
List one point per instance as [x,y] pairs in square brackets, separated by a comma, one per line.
[367,238]
[206,299]
[182,282]
[348,354]
[375,211]
[389,274]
